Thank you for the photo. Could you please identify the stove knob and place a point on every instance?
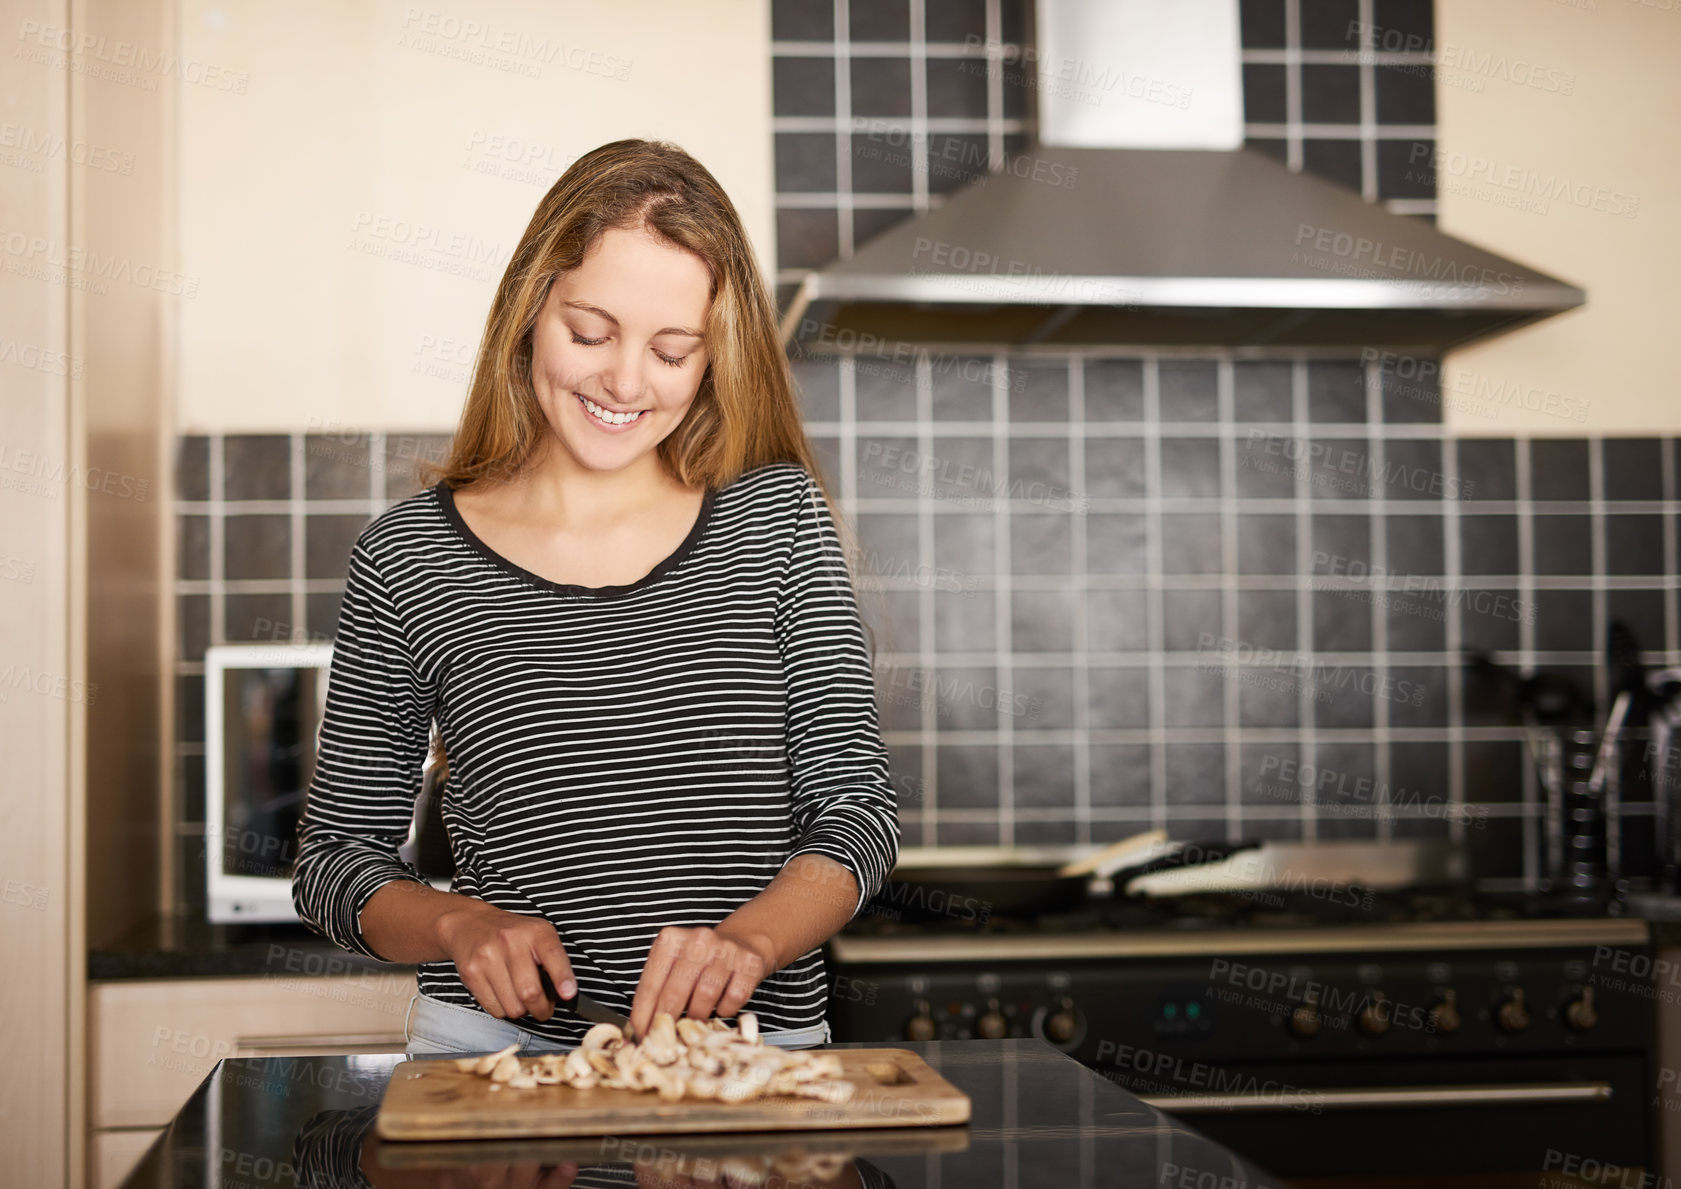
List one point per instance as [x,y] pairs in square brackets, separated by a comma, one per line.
[1580,1015]
[1444,1017]
[1374,1016]
[1304,1021]
[921,1026]
[1512,1016]
[992,1025]
[1061,1025]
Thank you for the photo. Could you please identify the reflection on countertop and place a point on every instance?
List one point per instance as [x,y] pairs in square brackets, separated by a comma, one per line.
[1038,1118]
[190,946]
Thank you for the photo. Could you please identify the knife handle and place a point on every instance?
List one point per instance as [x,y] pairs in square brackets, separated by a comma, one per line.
[549,989]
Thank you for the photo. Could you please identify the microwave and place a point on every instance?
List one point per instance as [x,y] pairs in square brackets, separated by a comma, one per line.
[263,706]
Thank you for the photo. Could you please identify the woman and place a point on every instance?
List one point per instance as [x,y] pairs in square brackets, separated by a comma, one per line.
[626,604]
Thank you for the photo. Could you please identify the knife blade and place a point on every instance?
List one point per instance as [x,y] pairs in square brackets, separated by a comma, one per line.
[583,1006]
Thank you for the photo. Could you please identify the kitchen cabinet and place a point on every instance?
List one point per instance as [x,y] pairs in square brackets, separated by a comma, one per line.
[152,1042]
[112,1155]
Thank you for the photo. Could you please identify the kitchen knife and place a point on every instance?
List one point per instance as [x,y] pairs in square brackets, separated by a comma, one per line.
[583,1006]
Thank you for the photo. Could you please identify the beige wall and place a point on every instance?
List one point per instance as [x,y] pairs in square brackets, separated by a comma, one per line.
[1603,117]
[337,130]
[84,449]
[40,905]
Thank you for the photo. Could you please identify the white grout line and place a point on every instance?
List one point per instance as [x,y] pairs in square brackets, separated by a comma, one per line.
[848,438]
[1081,627]
[376,473]
[1316,131]
[1368,108]
[1672,631]
[1596,513]
[926,611]
[1534,813]
[1377,527]
[1343,57]
[1153,548]
[218,536]
[1601,625]
[1230,690]
[1307,756]
[918,146]
[1292,84]
[1453,646]
[843,128]
[299,563]
[1003,673]
[994,86]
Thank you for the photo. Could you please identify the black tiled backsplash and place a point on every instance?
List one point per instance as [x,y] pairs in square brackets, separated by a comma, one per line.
[264,525]
[1218,505]
[1108,652]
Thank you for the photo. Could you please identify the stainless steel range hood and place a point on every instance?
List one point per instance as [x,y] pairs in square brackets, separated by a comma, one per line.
[1098,245]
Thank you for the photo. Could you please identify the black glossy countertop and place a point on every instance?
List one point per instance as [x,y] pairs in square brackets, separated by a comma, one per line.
[1038,1118]
[191,947]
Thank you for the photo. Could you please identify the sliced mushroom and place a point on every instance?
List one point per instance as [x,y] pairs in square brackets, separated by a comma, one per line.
[671,1087]
[490,1060]
[661,1045]
[706,1061]
[577,1065]
[677,1059]
[719,1041]
[691,1031]
[627,1060]
[599,1036]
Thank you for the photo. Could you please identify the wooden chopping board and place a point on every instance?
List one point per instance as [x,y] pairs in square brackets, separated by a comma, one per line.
[432,1099]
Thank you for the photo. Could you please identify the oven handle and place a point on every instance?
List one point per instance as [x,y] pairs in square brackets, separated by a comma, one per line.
[1300,1098]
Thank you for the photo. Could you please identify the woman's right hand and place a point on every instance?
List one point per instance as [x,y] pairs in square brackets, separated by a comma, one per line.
[498,954]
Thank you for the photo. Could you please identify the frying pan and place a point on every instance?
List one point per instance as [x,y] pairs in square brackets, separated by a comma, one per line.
[974,882]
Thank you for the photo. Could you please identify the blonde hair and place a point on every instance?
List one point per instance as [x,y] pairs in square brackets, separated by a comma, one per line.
[745,413]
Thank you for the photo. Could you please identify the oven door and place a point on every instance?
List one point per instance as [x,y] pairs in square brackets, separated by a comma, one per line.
[1425,1121]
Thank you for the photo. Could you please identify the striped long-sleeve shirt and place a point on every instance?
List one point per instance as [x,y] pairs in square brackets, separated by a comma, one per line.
[621,758]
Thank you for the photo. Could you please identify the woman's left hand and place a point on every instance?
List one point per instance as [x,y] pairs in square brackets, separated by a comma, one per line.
[699,971]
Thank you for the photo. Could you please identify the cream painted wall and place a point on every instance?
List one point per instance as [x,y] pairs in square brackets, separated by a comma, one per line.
[42,669]
[347,197]
[1601,114]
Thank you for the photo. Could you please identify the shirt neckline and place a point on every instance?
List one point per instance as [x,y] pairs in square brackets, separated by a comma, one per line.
[446,502]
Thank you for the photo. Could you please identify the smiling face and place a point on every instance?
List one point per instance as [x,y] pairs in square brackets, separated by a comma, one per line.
[616,357]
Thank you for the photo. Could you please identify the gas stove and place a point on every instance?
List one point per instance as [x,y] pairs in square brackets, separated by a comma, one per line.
[1435,1009]
[1256,909]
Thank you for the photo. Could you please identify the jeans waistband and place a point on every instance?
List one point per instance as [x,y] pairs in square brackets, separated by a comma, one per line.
[452,1027]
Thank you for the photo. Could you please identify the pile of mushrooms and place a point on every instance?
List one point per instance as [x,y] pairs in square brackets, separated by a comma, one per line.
[677,1059]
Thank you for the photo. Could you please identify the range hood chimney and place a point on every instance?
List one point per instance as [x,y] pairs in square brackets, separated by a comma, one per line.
[1142,222]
